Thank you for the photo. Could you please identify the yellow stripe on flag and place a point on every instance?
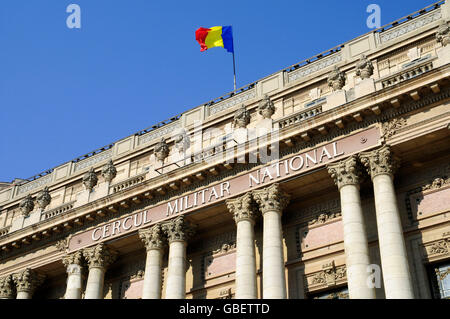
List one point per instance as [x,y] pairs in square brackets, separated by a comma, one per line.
[214,38]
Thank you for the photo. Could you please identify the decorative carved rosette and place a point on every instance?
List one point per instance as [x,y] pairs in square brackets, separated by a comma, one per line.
[346,172]
[109,171]
[26,205]
[364,67]
[241,117]
[272,198]
[178,229]
[90,179]
[162,150]
[242,208]
[6,287]
[28,280]
[379,161]
[182,141]
[43,198]
[99,256]
[336,79]
[152,237]
[266,107]
[443,34]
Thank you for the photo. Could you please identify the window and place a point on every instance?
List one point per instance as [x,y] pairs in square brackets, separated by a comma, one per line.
[440,280]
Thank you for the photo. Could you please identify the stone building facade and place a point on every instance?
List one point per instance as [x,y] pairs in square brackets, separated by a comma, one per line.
[328,179]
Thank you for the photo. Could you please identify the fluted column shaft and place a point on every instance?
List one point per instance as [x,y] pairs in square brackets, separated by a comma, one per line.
[152,239]
[99,258]
[394,262]
[347,175]
[74,275]
[272,201]
[243,211]
[178,231]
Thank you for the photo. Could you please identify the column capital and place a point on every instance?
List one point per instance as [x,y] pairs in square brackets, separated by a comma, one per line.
[99,256]
[346,172]
[242,208]
[271,198]
[152,237]
[28,280]
[75,258]
[6,287]
[379,161]
[178,229]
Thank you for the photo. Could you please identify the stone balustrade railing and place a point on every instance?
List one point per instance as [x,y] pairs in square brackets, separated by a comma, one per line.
[127,183]
[57,210]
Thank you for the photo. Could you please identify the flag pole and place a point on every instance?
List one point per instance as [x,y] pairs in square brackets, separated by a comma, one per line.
[234,71]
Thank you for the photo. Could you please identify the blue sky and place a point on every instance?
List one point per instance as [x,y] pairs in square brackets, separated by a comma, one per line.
[65,92]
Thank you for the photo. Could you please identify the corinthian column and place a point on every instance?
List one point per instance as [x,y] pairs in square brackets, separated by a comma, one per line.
[396,276]
[178,231]
[347,176]
[73,263]
[271,201]
[6,287]
[152,238]
[244,214]
[26,282]
[98,258]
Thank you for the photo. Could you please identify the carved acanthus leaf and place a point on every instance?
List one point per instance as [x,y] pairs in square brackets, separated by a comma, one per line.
[324,217]
[437,183]
[178,229]
[272,198]
[152,237]
[6,287]
[242,208]
[391,127]
[346,172]
[379,161]
[99,256]
[27,280]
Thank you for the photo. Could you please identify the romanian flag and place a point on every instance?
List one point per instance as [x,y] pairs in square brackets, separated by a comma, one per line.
[215,37]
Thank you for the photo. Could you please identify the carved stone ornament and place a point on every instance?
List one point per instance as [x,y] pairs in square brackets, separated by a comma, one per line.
[323,218]
[75,258]
[162,150]
[6,287]
[329,274]
[99,256]
[439,248]
[62,244]
[379,161]
[443,34]
[43,198]
[226,247]
[391,127]
[242,208]
[437,183]
[109,171]
[28,280]
[90,179]
[182,141]
[364,67]
[241,117]
[138,275]
[266,107]
[336,79]
[346,172]
[272,198]
[152,237]
[178,229]
[26,205]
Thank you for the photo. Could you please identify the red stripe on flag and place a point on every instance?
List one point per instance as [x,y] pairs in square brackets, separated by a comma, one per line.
[200,36]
